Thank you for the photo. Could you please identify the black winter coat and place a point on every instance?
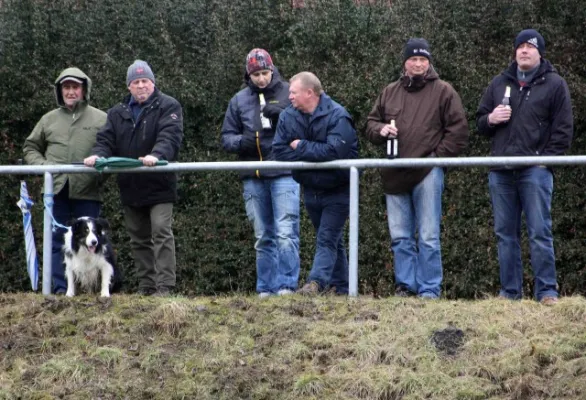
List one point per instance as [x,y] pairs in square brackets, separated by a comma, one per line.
[158,132]
[541,121]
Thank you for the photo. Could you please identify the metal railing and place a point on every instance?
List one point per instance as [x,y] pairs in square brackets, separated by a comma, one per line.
[352,165]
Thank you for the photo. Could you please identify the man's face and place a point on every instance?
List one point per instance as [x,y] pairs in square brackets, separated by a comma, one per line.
[527,56]
[72,93]
[141,89]
[416,65]
[262,78]
[299,96]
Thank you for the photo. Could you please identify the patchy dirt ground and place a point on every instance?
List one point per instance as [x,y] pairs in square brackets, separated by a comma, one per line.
[289,348]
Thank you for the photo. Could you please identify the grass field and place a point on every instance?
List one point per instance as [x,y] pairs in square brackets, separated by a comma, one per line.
[241,347]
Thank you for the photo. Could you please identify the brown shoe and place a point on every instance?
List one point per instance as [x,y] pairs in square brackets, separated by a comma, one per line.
[549,300]
[311,288]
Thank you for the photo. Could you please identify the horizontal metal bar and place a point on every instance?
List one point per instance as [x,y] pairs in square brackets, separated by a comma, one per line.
[271,165]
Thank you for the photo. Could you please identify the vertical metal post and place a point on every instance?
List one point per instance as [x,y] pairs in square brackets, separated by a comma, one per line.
[353,257]
[47,235]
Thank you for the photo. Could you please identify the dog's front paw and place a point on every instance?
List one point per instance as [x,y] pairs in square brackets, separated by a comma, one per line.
[69,294]
[105,294]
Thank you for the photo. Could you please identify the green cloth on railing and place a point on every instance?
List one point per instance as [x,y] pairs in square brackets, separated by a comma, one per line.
[122,162]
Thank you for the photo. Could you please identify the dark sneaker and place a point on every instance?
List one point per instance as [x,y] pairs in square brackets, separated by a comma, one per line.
[401,291]
[333,291]
[310,289]
[163,292]
[146,292]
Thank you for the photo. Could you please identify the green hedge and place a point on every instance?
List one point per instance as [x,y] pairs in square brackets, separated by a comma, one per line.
[197,49]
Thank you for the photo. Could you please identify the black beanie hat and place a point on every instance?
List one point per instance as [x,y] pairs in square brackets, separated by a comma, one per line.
[533,37]
[416,47]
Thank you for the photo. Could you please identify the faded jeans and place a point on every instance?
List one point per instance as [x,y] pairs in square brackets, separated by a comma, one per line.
[272,206]
[418,262]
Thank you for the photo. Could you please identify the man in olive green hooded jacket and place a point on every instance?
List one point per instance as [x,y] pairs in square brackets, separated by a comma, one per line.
[62,136]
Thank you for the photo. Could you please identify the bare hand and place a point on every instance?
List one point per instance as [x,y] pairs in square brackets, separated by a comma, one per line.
[388,130]
[294,144]
[149,160]
[499,115]
[90,161]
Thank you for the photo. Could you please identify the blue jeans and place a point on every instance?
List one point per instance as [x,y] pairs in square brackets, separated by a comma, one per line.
[527,190]
[272,206]
[328,211]
[418,264]
[64,210]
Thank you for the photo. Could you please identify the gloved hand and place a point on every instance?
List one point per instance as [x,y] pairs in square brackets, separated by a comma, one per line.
[247,142]
[271,111]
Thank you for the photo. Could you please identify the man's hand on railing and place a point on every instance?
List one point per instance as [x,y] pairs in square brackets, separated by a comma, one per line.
[149,160]
[90,161]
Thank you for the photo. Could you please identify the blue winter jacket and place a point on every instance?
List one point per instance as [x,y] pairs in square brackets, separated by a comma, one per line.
[242,131]
[326,135]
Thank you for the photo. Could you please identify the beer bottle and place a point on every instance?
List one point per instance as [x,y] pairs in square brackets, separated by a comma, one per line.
[507,97]
[266,123]
[392,144]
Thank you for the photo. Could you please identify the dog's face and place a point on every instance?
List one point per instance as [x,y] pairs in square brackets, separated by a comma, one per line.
[88,233]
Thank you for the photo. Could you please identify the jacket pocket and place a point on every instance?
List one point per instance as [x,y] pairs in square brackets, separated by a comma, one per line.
[391,113]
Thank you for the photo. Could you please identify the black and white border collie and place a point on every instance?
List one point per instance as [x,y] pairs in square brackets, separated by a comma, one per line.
[89,257]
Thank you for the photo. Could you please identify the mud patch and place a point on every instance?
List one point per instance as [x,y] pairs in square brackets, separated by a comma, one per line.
[449,340]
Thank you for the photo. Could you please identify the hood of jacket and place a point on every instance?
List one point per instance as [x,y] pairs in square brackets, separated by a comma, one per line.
[413,84]
[75,73]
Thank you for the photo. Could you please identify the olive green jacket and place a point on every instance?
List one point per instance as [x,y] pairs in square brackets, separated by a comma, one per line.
[63,136]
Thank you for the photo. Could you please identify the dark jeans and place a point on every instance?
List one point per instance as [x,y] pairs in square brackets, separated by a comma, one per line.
[64,210]
[524,191]
[328,211]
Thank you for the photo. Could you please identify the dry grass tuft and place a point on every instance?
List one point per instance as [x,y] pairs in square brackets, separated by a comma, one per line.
[170,318]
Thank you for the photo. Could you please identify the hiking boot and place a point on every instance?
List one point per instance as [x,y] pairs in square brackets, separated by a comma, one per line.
[310,289]
[549,300]
[285,292]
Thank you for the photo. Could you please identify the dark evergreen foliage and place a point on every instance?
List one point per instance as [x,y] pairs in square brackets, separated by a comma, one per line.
[197,50]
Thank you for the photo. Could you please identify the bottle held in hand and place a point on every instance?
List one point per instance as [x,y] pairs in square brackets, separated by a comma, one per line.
[266,123]
[507,98]
[392,144]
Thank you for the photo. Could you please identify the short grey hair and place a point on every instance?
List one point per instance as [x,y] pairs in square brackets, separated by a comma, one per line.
[308,81]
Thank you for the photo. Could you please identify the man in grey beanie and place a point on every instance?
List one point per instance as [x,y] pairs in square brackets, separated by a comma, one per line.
[147,125]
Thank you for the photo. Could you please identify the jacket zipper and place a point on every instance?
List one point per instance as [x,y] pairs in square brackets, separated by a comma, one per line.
[259,152]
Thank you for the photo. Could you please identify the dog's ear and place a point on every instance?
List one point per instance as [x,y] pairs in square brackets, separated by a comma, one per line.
[72,222]
[104,224]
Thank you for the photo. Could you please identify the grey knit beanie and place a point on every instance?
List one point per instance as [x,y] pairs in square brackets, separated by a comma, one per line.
[139,69]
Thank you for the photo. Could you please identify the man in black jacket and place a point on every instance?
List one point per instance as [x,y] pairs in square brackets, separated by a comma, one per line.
[526,111]
[147,125]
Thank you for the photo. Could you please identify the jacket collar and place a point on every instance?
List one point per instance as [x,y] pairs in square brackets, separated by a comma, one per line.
[154,97]
[544,68]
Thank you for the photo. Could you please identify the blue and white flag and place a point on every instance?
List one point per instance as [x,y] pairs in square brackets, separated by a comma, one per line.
[32,264]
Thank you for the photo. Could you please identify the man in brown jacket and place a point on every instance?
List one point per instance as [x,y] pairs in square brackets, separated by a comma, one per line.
[428,120]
